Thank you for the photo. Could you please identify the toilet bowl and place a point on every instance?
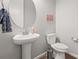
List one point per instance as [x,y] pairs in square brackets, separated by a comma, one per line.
[59,49]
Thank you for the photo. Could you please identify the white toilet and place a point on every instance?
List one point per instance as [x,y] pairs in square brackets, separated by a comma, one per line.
[59,49]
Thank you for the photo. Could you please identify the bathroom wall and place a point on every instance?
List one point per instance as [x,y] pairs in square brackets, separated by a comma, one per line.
[43,8]
[67,23]
[8,50]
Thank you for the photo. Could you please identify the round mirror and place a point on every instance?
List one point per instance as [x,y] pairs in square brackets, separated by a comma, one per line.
[29,13]
[16,12]
[23,12]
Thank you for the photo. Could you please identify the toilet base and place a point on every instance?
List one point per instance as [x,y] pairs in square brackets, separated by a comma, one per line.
[59,55]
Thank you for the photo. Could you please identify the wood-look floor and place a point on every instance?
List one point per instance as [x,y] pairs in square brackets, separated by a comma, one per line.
[67,56]
[44,57]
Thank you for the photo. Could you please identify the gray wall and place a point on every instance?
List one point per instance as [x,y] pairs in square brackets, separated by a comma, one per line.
[67,23]
[43,7]
[8,50]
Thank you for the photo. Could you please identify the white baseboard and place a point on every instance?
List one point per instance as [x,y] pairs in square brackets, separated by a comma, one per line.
[40,55]
[72,54]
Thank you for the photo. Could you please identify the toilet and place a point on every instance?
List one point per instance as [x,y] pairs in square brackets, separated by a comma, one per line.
[59,49]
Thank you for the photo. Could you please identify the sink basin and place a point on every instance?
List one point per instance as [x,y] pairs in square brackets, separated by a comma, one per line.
[20,39]
[26,42]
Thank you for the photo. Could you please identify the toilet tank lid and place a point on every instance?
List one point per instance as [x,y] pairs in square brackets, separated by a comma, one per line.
[51,34]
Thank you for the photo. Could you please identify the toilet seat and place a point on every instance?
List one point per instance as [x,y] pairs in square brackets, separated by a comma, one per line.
[59,47]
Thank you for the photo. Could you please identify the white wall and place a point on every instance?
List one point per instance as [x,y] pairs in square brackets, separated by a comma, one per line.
[67,23]
[43,7]
[8,50]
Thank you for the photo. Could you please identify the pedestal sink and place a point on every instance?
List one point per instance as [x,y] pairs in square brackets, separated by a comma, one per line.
[26,42]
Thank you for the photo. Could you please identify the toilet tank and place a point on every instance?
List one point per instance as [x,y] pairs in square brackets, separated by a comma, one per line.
[51,38]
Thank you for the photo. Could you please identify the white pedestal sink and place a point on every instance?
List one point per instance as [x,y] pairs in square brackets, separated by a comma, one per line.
[26,42]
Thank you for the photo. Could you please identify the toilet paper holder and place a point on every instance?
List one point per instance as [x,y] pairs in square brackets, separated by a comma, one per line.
[75,39]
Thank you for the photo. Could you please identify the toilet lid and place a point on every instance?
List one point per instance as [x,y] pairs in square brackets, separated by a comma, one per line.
[60,46]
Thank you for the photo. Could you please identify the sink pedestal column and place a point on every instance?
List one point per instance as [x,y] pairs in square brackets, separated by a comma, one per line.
[26,51]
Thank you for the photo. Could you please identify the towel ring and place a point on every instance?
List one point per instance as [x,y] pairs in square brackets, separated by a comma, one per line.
[2,4]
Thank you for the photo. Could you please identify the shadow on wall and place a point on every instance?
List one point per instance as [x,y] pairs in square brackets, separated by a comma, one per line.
[58,40]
